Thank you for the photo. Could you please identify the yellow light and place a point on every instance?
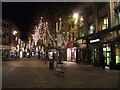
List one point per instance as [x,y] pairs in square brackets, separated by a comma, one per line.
[75,15]
[81,18]
[60,19]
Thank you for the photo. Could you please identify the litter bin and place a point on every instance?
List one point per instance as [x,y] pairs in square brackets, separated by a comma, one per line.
[51,64]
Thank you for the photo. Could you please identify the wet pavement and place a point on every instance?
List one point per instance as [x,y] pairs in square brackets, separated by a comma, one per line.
[34,73]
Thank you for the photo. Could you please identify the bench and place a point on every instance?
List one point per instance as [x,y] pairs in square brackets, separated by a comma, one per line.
[60,69]
[61,72]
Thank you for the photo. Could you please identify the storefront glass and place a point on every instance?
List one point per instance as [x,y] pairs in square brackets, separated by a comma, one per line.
[91,29]
[107,53]
[95,56]
[103,24]
[71,54]
[117,54]
[117,18]
[0,54]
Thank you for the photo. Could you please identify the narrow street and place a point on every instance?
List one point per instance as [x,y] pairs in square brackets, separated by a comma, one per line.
[34,73]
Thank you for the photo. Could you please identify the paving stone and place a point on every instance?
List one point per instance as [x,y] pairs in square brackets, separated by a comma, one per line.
[34,73]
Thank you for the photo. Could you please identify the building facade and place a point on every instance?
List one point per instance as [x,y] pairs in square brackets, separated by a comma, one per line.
[10,39]
[99,33]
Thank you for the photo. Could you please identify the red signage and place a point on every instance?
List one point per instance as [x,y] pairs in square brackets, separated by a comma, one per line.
[70,45]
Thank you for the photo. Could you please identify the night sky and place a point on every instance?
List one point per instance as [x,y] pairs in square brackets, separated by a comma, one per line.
[27,14]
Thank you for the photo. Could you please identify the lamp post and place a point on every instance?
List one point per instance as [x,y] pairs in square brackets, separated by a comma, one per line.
[16,40]
[15,34]
[59,39]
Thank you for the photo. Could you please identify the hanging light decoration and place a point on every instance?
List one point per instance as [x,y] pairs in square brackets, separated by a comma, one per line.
[41,32]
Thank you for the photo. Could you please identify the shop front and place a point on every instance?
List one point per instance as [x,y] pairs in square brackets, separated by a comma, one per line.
[82,52]
[117,53]
[111,52]
[117,56]
[95,51]
[111,49]
[71,52]
[6,52]
[107,53]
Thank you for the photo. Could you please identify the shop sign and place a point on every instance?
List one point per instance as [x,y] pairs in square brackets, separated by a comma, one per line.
[70,45]
[93,41]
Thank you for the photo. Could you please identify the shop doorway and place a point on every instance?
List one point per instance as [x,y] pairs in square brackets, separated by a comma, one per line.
[95,57]
[117,53]
[107,54]
[71,54]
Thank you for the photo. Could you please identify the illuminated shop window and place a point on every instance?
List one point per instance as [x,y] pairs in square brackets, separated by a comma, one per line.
[117,18]
[117,55]
[107,53]
[119,32]
[117,12]
[103,24]
[91,29]
[108,48]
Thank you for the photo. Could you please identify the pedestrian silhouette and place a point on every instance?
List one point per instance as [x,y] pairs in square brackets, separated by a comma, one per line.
[103,61]
[38,54]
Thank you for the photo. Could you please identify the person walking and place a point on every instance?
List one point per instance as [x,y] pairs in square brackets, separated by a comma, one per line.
[103,61]
[38,54]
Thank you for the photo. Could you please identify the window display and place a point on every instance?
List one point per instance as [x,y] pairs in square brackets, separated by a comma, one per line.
[103,24]
[107,53]
[117,54]
[71,54]
[117,18]
[91,29]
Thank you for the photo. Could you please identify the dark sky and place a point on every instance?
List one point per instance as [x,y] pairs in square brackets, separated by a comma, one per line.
[26,14]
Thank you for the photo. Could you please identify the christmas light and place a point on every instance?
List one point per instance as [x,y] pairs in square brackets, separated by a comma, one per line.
[42,32]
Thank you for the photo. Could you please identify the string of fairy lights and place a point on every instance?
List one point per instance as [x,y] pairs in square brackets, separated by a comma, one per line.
[41,32]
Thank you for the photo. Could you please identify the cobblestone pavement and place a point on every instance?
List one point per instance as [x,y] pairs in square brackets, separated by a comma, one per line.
[34,73]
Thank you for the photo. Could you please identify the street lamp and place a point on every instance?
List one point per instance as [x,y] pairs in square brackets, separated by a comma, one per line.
[75,15]
[15,32]
[16,43]
[60,25]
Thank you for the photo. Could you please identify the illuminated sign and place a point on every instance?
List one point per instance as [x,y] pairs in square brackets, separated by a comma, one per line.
[93,41]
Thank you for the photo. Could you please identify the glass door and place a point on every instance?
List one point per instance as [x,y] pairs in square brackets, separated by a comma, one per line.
[117,54]
[95,56]
[107,53]
[108,57]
